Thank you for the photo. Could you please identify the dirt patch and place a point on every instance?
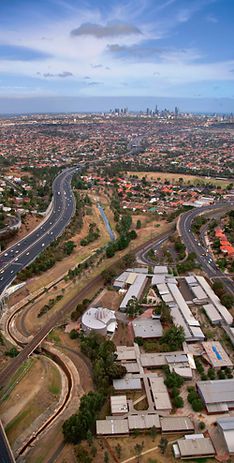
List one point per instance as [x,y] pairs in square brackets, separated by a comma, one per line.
[123,335]
[108,299]
[31,398]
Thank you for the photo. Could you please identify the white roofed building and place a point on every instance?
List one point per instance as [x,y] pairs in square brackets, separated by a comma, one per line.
[100,320]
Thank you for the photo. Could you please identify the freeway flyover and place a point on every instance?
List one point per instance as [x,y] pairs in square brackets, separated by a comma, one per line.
[22,253]
[192,244]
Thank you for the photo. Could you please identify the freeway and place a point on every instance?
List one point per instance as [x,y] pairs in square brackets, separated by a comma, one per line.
[21,254]
[5,450]
[192,244]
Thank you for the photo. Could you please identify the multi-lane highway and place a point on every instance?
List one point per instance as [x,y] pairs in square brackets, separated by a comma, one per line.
[5,450]
[21,254]
[192,244]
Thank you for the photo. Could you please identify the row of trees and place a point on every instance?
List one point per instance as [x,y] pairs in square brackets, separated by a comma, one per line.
[102,355]
[49,305]
[174,383]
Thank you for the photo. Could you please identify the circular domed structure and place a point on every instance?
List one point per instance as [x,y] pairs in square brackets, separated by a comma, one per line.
[100,320]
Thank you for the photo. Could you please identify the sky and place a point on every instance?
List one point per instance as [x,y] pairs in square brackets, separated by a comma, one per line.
[57,54]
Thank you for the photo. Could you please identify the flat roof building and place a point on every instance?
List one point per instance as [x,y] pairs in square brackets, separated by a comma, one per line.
[195,447]
[118,404]
[111,427]
[144,421]
[126,353]
[215,354]
[135,290]
[175,424]
[217,395]
[161,269]
[225,314]
[213,314]
[128,383]
[160,394]
[226,428]
[147,328]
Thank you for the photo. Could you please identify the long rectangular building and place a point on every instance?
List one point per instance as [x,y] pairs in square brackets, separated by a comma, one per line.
[135,290]
[225,314]
[160,394]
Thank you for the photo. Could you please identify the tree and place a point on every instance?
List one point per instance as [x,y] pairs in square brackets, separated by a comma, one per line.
[197,405]
[174,337]
[138,224]
[227,300]
[108,275]
[202,425]
[211,373]
[89,437]
[132,235]
[173,380]
[13,352]
[178,402]
[153,432]
[118,450]
[68,247]
[74,334]
[116,371]
[163,444]
[106,457]
[76,427]
[82,455]
[138,450]
[110,251]
[93,451]
[133,307]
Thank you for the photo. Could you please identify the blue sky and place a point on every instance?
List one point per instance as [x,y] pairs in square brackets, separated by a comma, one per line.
[131,48]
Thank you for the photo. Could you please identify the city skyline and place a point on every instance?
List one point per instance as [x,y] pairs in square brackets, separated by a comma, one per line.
[166,49]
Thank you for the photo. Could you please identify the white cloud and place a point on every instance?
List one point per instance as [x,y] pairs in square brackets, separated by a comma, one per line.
[86,55]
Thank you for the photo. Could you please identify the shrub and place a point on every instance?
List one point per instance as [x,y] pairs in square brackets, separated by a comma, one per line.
[74,334]
[197,405]
[178,402]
